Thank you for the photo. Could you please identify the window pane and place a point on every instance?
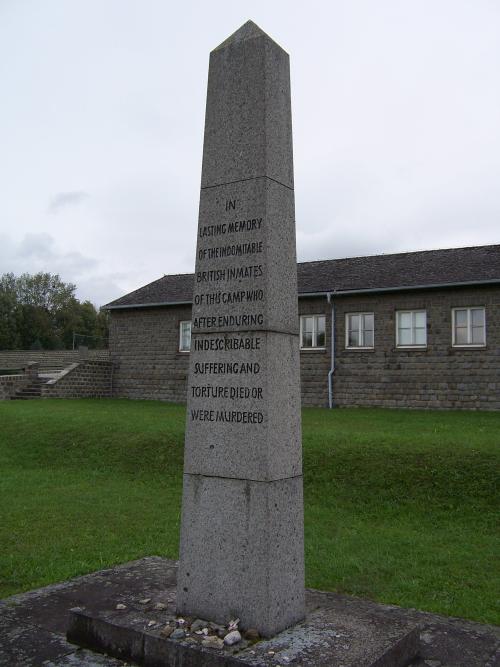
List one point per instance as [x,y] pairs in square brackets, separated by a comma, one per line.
[368,338]
[404,320]
[477,317]
[307,339]
[353,339]
[461,318]
[353,322]
[307,324]
[185,336]
[461,336]
[307,331]
[368,321]
[478,336]
[320,331]
[420,319]
[404,336]
[420,337]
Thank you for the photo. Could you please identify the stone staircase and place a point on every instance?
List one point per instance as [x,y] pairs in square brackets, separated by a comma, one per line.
[31,391]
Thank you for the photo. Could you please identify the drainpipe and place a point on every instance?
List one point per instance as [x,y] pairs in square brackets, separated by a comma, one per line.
[332,358]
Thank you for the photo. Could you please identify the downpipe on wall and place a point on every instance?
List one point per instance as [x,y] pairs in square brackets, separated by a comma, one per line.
[329,298]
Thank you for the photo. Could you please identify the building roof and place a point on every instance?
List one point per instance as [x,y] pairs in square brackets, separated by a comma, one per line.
[377,273]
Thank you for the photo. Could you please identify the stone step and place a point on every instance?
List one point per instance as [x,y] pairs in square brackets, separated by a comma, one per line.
[32,391]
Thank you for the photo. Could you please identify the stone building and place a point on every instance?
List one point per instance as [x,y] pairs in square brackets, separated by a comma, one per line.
[418,330]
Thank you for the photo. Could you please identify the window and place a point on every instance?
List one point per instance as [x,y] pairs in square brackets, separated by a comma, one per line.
[185,336]
[312,332]
[411,328]
[359,330]
[468,327]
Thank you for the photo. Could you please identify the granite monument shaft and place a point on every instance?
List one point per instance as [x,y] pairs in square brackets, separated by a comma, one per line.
[241,552]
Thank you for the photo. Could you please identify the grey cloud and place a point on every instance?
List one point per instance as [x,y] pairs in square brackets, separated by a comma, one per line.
[64,199]
[40,252]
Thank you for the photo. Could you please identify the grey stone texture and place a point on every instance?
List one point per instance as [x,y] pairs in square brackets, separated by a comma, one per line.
[242,552]
[9,384]
[248,124]
[87,379]
[242,518]
[244,425]
[257,273]
[147,363]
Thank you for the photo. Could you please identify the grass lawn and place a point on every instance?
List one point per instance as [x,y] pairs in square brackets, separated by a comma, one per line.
[400,506]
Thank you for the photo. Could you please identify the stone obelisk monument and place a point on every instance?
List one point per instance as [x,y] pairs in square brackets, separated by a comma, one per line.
[241,551]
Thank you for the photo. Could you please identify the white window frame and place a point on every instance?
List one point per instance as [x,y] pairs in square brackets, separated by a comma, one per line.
[412,345]
[314,345]
[468,309]
[181,349]
[360,331]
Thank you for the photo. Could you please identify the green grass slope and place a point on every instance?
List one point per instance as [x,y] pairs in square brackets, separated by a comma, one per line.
[400,506]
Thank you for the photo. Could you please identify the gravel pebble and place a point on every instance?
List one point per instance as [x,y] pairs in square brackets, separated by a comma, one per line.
[178,634]
[166,631]
[232,637]
[199,624]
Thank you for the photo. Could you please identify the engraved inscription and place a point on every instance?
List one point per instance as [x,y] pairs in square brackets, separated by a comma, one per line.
[234,250]
[228,343]
[231,273]
[227,416]
[212,377]
[225,392]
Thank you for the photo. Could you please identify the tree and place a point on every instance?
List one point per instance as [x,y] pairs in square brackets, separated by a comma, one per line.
[44,290]
[9,335]
[41,310]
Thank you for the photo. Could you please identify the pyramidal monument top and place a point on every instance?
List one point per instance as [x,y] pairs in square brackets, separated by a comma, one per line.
[248,30]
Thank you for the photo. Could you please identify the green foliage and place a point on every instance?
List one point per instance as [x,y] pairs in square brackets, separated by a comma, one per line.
[400,505]
[9,334]
[40,311]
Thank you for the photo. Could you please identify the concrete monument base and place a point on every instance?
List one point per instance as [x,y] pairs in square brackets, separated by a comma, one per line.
[329,635]
[337,629]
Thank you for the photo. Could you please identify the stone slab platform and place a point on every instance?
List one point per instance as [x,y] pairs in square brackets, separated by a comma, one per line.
[33,627]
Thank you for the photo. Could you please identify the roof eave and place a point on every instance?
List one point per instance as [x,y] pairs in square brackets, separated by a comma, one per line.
[405,288]
[334,292]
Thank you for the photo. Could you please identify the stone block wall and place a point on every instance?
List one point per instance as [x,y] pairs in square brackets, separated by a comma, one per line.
[9,384]
[315,364]
[87,379]
[144,346]
[438,376]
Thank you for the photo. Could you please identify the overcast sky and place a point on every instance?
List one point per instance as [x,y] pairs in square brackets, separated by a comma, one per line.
[396,113]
